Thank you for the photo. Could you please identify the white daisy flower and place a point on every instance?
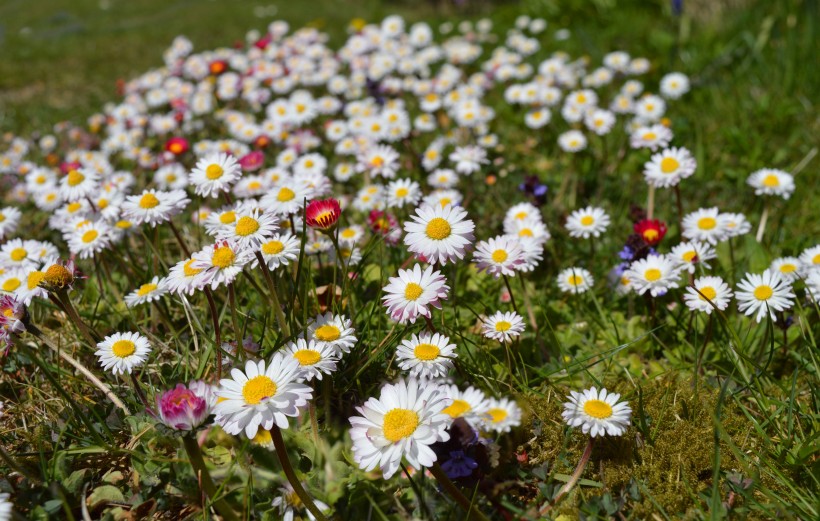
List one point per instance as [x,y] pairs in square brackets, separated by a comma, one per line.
[262,395]
[443,178]
[222,262]
[813,285]
[315,359]
[650,108]
[11,280]
[403,192]
[439,234]
[289,506]
[122,352]
[599,121]
[413,293]
[214,174]
[251,228]
[688,255]
[335,331]
[572,141]
[30,284]
[427,355]
[652,137]
[154,207]
[735,224]
[148,292]
[351,234]
[655,274]
[402,423]
[788,267]
[442,198]
[468,159]
[712,288]
[587,222]
[764,293]
[668,167]
[597,413]
[810,258]
[772,182]
[287,197]
[9,219]
[575,280]
[89,239]
[185,278]
[705,225]
[501,255]
[503,326]
[502,415]
[470,405]
[78,184]
[19,254]
[380,160]
[280,250]
[674,85]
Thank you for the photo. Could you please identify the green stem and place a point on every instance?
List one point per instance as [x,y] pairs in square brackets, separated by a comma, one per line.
[204,478]
[274,297]
[217,331]
[282,454]
[61,297]
[455,493]
[509,290]
[579,469]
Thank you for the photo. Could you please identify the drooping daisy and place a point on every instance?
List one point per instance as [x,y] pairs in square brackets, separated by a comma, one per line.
[251,228]
[280,250]
[668,167]
[597,413]
[503,326]
[586,222]
[469,405]
[787,267]
[122,352]
[441,235]
[575,280]
[712,288]
[501,255]
[153,206]
[425,356]
[315,359]
[402,422]
[688,255]
[769,181]
[705,224]
[148,292]
[335,331]
[214,174]
[262,395]
[403,192]
[764,293]
[222,262]
[502,415]
[655,274]
[413,293]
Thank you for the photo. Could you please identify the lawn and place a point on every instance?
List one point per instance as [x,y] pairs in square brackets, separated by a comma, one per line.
[723,420]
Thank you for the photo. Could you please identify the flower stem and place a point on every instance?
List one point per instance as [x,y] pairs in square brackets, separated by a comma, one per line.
[509,290]
[455,493]
[180,240]
[274,297]
[762,227]
[282,454]
[217,331]
[60,297]
[204,478]
[579,469]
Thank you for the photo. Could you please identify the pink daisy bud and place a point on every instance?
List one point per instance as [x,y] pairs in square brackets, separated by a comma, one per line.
[185,408]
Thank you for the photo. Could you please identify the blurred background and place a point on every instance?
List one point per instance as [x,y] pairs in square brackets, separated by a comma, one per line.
[61,59]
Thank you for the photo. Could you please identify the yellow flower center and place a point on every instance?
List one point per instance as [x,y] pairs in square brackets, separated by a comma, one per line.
[763,292]
[11,284]
[708,292]
[58,276]
[402,192]
[497,415]
[412,291]
[587,220]
[102,204]
[457,408]
[649,136]
[73,207]
[445,201]
[223,257]
[771,181]
[257,389]
[146,289]
[707,223]
[575,280]
[788,268]
[816,259]
[272,247]
[327,333]
[438,229]
[669,165]
[122,225]
[399,424]
[90,236]
[426,352]
[502,325]
[499,256]
[262,437]
[188,270]
[18,254]
[598,409]
[123,348]
[377,162]
[689,255]
[307,356]
[75,178]
[285,194]
[227,217]
[149,201]
[214,172]
[525,232]
[246,226]
[2,217]
[652,274]
[348,233]
[34,278]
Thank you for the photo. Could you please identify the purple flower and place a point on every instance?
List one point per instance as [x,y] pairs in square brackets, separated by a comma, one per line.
[459,465]
[185,408]
[626,254]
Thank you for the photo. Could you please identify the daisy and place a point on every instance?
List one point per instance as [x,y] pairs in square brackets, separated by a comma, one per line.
[222,262]
[121,352]
[214,173]
[503,326]
[351,234]
[401,192]
[772,182]
[652,137]
[335,331]
[442,198]
[589,221]
[500,255]
[413,293]
[148,292]
[443,178]
[89,239]
[78,184]
[704,224]
[261,396]
[810,258]
[764,293]
[402,422]
[787,267]
[17,253]
[315,359]
[714,289]
[655,274]
[9,218]
[440,234]
[154,207]
[575,280]
[30,284]
[251,228]
[428,355]
[597,413]
[736,224]
[287,197]
[468,159]
[502,415]
[688,255]
[572,141]
[668,167]
[280,250]
[380,160]
[288,504]
[470,405]
[11,280]
[674,85]
[185,278]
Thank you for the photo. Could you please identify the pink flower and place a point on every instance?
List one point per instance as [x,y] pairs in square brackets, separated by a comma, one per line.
[323,214]
[252,161]
[185,408]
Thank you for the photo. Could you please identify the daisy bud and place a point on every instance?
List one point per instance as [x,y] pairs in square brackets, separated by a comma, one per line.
[185,408]
[323,214]
[57,277]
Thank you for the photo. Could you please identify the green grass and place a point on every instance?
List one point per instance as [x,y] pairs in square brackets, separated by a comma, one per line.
[745,426]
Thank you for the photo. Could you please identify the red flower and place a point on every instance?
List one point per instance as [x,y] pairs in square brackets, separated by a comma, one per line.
[323,214]
[252,161]
[261,141]
[69,166]
[652,232]
[177,145]
[218,67]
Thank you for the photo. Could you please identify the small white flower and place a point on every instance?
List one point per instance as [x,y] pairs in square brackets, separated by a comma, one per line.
[597,413]
[121,352]
[425,356]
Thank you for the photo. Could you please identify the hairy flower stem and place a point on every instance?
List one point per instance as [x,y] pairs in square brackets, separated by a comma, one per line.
[282,454]
[274,297]
[455,493]
[217,331]
[139,391]
[60,297]
[579,469]
[509,290]
[206,484]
